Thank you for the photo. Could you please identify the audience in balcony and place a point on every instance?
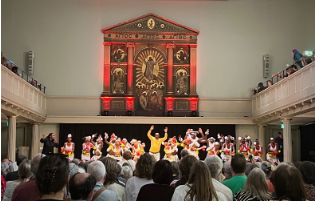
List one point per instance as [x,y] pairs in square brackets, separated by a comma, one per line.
[9,64]
[298,58]
[15,70]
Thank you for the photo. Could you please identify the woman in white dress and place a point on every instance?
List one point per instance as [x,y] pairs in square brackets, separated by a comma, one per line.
[171,150]
[227,149]
[244,147]
[137,149]
[69,148]
[25,174]
[86,146]
[272,150]
[98,145]
[257,150]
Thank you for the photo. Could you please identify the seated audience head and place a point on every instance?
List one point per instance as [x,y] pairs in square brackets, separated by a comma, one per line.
[52,176]
[35,162]
[162,172]
[260,85]
[307,170]
[76,161]
[297,163]
[184,153]
[15,69]
[145,166]
[20,159]
[226,169]
[270,83]
[86,164]
[185,166]
[266,168]
[97,170]
[200,183]
[256,185]
[127,171]
[175,169]
[73,169]
[214,164]
[238,164]
[258,164]
[81,186]
[111,168]
[24,170]
[119,169]
[127,155]
[10,64]
[288,183]
[4,168]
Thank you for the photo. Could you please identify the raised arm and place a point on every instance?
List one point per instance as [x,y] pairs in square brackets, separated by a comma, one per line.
[92,139]
[106,136]
[149,132]
[166,134]
[203,137]
[43,139]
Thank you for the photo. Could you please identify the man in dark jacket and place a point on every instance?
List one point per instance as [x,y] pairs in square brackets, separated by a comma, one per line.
[49,143]
[279,141]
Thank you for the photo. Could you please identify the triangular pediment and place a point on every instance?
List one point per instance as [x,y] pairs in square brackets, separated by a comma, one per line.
[150,23]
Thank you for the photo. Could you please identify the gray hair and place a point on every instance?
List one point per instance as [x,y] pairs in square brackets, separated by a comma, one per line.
[4,168]
[227,171]
[250,167]
[97,170]
[256,184]
[127,172]
[214,164]
[258,164]
[73,169]
[35,162]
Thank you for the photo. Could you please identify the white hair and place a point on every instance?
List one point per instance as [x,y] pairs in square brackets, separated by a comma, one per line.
[97,170]
[35,162]
[214,164]
[127,172]
[73,169]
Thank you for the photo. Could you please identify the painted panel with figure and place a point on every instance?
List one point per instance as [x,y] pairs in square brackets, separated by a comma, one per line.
[118,80]
[182,81]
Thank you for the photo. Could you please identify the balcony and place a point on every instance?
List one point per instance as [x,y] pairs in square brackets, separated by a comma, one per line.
[20,98]
[292,96]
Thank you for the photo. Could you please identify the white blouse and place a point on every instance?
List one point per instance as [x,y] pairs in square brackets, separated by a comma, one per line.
[133,186]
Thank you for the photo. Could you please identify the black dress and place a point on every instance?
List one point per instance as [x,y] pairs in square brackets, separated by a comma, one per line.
[48,146]
[155,192]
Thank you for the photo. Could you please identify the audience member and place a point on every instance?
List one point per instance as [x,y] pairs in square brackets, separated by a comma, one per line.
[185,166]
[81,167]
[267,169]
[4,169]
[256,188]
[97,169]
[128,158]
[261,87]
[25,174]
[199,186]
[86,164]
[121,180]
[308,61]
[52,176]
[81,186]
[250,167]
[270,83]
[227,171]
[307,170]
[73,169]
[111,182]
[297,163]
[215,165]
[143,175]
[162,177]
[184,153]
[298,58]
[127,171]
[238,167]
[10,64]
[3,186]
[27,191]
[288,183]
[15,70]
[15,175]
[175,171]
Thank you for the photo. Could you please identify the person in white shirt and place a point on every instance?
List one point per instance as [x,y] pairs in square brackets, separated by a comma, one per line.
[199,186]
[143,175]
[215,165]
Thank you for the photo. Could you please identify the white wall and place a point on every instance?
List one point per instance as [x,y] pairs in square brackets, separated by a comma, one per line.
[66,39]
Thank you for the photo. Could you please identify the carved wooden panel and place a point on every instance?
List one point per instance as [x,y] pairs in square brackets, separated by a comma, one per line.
[119,53]
[181,80]
[118,105]
[118,79]
[182,105]
[181,55]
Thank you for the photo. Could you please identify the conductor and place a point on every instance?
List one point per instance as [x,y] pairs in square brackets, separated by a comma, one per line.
[49,143]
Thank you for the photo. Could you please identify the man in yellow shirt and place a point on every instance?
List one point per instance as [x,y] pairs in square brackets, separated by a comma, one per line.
[156,142]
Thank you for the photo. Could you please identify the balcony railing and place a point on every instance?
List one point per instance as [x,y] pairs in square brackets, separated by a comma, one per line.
[296,88]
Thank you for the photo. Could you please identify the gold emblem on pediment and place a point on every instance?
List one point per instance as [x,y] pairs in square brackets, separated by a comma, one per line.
[151,23]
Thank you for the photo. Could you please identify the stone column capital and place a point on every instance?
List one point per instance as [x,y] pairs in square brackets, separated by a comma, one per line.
[261,125]
[130,45]
[12,117]
[286,118]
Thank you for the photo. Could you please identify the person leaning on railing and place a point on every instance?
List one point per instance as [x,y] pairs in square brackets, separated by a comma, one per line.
[15,70]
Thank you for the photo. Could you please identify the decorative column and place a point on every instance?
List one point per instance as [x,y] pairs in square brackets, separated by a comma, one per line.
[107,63]
[193,48]
[12,138]
[287,139]
[261,128]
[170,87]
[130,71]
[35,140]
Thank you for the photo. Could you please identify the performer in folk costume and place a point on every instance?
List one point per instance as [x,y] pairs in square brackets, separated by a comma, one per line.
[221,139]
[244,147]
[227,149]
[98,145]
[192,147]
[137,149]
[125,145]
[171,149]
[272,150]
[86,146]
[257,150]
[114,150]
[69,148]
[210,144]
[192,135]
[248,141]
[156,142]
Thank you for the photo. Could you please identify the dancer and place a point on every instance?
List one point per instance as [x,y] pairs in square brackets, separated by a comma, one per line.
[98,145]
[171,150]
[227,149]
[156,142]
[210,144]
[244,148]
[257,150]
[114,150]
[272,150]
[49,143]
[125,145]
[248,140]
[86,146]
[137,149]
[69,148]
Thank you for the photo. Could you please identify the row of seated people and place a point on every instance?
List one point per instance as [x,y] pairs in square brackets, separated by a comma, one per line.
[10,65]
[55,177]
[299,62]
